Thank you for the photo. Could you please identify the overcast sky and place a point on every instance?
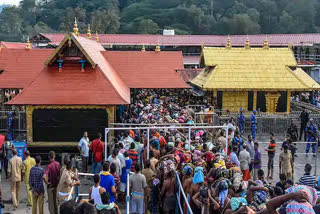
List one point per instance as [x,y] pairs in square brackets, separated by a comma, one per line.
[16,2]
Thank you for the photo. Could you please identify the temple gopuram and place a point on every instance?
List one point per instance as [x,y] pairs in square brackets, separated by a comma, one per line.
[252,78]
[77,86]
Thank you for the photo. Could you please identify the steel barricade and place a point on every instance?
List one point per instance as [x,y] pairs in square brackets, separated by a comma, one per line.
[180,193]
[189,128]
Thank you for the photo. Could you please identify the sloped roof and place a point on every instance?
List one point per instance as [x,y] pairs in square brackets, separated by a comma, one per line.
[20,66]
[189,74]
[113,91]
[107,81]
[306,79]
[149,69]
[14,45]
[94,50]
[251,69]
[69,87]
[197,40]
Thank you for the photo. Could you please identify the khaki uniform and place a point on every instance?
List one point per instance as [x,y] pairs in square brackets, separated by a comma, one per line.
[286,166]
[15,167]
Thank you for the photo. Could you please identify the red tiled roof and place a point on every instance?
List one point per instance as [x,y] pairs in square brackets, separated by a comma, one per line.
[20,66]
[94,49]
[149,69]
[101,86]
[189,74]
[69,87]
[107,81]
[14,45]
[197,40]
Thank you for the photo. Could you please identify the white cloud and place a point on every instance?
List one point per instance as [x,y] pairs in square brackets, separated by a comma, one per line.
[12,2]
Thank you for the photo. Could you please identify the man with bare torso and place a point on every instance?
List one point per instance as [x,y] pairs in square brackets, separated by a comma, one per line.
[168,193]
[187,181]
[197,182]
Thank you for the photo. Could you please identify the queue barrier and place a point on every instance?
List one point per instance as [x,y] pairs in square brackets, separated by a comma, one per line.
[180,193]
[189,128]
[71,196]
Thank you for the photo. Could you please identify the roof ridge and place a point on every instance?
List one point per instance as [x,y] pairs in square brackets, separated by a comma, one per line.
[107,79]
[296,76]
[113,76]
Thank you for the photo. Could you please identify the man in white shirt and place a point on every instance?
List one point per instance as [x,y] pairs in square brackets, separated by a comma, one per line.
[114,159]
[244,158]
[83,147]
[231,126]
[250,149]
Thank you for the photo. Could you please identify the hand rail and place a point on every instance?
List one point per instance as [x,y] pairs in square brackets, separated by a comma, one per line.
[128,194]
[184,196]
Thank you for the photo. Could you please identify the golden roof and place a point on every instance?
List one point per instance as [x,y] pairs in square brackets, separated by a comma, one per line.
[261,69]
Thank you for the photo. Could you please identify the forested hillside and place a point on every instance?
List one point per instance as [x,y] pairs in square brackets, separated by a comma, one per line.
[152,16]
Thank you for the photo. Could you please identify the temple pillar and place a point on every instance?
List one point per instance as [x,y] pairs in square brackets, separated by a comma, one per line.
[255,95]
[288,101]
[272,102]
[215,93]
[215,99]
[29,112]
[3,98]
[111,119]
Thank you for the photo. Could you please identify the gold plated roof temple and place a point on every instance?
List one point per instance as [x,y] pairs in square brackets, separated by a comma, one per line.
[243,69]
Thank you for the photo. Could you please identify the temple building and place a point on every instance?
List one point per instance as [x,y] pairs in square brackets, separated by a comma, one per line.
[18,66]
[77,86]
[306,47]
[260,78]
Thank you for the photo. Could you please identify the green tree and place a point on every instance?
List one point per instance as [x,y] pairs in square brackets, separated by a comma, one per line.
[105,21]
[11,24]
[28,12]
[147,26]
[304,14]
[286,23]
[68,20]
[239,24]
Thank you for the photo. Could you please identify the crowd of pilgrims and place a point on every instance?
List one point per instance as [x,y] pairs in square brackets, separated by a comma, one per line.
[312,98]
[212,181]
[218,175]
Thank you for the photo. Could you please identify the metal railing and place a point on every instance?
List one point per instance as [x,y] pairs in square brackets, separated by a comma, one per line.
[189,128]
[180,193]
[18,121]
[71,196]
[312,57]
